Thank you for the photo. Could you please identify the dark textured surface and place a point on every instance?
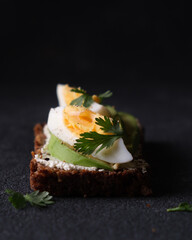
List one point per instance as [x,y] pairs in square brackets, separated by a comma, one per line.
[165,112]
[142,52]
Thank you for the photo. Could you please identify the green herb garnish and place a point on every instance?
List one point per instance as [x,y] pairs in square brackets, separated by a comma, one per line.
[181,207]
[40,199]
[91,141]
[106,94]
[86,99]
[131,129]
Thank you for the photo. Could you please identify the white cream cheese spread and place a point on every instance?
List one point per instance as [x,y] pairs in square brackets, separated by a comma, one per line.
[52,162]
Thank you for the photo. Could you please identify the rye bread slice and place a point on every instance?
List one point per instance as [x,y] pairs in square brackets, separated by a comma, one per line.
[131,181]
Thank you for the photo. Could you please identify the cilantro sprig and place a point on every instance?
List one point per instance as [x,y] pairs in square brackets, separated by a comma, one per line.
[93,141]
[85,99]
[106,94]
[181,207]
[36,198]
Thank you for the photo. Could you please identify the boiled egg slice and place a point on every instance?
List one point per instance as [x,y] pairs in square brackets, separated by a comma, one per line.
[65,96]
[68,123]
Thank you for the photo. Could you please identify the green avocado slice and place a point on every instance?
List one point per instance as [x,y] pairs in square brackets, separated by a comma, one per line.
[62,152]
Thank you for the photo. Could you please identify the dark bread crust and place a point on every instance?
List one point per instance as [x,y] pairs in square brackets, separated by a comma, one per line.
[122,182]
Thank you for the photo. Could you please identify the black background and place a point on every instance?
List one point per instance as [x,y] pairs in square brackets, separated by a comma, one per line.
[142,53]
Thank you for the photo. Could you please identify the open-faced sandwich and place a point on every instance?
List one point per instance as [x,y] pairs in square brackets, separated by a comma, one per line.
[88,149]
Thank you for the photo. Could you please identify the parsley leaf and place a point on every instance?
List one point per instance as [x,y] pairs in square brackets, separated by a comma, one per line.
[17,199]
[106,94]
[85,99]
[90,141]
[78,101]
[108,126]
[78,90]
[181,207]
[35,198]
[93,141]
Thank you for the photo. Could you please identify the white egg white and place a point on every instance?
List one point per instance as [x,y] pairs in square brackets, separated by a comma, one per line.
[57,127]
[117,153]
[95,107]
[60,97]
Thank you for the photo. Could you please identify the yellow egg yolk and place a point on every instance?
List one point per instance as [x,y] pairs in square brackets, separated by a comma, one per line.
[79,120]
[68,95]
